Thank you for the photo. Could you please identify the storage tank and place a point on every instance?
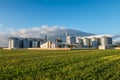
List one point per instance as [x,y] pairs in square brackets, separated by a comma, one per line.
[86,42]
[13,42]
[34,43]
[94,42]
[105,41]
[25,43]
[20,43]
[98,41]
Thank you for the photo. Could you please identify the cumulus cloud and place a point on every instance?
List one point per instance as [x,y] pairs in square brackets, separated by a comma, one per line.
[34,32]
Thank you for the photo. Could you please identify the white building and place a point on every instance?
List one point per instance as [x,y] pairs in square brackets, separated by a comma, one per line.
[48,44]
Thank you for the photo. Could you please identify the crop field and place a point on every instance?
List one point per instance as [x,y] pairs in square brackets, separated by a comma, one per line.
[60,65]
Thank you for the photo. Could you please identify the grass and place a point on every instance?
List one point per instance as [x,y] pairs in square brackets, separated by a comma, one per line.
[60,65]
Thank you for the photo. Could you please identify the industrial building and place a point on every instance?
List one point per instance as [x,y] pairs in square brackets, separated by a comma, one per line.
[75,42]
[55,44]
[101,42]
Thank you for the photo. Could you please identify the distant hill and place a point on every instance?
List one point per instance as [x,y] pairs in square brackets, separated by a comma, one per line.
[62,33]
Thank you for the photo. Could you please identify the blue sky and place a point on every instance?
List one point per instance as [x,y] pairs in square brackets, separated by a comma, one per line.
[94,16]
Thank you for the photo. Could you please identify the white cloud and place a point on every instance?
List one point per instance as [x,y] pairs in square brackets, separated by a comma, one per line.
[36,32]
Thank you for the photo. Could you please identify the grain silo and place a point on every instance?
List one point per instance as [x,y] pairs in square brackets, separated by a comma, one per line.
[13,42]
[106,42]
[94,42]
[86,42]
[34,43]
[25,43]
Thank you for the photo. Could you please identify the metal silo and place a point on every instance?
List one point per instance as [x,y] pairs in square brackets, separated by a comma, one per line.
[94,42]
[86,42]
[13,42]
[35,43]
[105,41]
[20,43]
[25,43]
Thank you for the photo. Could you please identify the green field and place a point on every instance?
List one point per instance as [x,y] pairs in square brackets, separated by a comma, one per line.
[60,65]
